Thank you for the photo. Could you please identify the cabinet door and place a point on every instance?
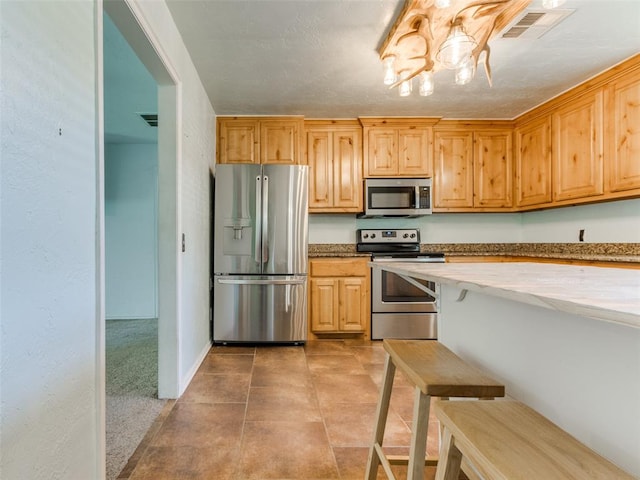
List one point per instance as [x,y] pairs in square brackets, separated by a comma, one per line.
[623,118]
[533,163]
[279,141]
[382,153]
[347,171]
[492,168]
[321,170]
[577,149]
[238,140]
[453,170]
[413,153]
[353,308]
[323,304]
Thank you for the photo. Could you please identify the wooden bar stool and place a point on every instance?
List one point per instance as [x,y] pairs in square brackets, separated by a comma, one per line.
[507,439]
[435,371]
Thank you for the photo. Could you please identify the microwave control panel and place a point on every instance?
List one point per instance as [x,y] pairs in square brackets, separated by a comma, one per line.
[424,197]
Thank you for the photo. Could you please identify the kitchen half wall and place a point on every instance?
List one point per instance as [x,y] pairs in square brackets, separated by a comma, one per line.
[611,222]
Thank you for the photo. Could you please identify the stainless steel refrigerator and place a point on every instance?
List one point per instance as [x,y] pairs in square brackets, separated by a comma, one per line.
[260,253]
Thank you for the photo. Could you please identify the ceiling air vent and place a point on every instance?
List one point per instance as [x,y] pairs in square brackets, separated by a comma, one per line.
[535,23]
[150,118]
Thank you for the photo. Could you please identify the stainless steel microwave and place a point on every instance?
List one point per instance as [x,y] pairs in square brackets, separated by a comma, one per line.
[397,197]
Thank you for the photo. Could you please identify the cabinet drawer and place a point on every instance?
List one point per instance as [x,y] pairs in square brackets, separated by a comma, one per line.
[339,267]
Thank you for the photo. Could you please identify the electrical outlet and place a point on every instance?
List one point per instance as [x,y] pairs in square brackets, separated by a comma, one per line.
[581,235]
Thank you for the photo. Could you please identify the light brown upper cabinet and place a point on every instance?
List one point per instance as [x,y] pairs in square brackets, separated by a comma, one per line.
[493,169]
[397,146]
[533,162]
[622,119]
[334,156]
[472,168]
[577,138]
[453,169]
[273,140]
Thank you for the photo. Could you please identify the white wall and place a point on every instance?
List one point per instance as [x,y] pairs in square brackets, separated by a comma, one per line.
[49,222]
[131,230]
[610,222]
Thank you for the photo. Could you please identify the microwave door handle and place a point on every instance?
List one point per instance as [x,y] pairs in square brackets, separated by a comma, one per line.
[416,197]
[257,233]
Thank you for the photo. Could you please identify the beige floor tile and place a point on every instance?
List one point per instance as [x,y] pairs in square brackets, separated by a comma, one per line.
[345,364]
[187,463]
[351,425]
[219,363]
[275,376]
[369,355]
[233,350]
[326,347]
[286,450]
[202,425]
[206,388]
[283,403]
[335,388]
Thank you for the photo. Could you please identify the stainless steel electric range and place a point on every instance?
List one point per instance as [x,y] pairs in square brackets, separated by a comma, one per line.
[398,308]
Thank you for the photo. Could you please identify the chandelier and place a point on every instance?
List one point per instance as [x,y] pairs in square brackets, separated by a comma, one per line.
[432,35]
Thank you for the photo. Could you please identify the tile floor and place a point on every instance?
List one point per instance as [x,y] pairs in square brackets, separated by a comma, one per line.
[278,412]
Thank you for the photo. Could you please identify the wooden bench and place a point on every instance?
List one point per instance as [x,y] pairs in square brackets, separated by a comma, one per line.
[508,440]
[435,371]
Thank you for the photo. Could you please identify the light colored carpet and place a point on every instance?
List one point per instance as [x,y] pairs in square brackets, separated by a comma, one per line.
[131,387]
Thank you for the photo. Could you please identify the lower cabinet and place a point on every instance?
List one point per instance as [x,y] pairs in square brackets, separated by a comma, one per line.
[339,297]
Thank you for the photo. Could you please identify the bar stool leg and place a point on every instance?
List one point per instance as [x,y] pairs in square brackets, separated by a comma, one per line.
[450,458]
[381,422]
[419,430]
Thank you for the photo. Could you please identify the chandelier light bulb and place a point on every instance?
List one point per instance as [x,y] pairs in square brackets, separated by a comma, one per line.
[549,4]
[457,47]
[465,72]
[389,63]
[425,84]
[405,87]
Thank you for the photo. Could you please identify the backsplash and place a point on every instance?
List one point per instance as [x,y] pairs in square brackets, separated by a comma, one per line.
[605,223]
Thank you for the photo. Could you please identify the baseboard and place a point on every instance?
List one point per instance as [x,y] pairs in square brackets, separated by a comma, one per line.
[184,382]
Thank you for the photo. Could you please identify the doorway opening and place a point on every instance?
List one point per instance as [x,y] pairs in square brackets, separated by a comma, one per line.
[141,219]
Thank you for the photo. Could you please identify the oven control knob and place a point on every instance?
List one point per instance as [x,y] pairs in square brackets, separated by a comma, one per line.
[373,235]
[406,235]
[413,235]
[366,235]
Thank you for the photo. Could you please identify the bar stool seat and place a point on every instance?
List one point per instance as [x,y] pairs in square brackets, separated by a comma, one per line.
[507,439]
[434,371]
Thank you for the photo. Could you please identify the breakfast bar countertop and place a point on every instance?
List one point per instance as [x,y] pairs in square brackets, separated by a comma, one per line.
[609,294]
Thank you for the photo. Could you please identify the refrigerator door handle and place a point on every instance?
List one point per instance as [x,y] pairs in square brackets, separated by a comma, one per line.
[238,281]
[265,219]
[257,255]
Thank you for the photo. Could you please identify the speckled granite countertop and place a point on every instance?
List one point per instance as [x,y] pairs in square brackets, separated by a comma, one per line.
[600,252]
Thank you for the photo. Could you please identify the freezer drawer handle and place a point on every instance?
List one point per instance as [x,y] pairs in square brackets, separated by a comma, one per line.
[261,282]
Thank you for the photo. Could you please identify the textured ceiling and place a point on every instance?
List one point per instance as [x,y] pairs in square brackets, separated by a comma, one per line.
[319,58]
